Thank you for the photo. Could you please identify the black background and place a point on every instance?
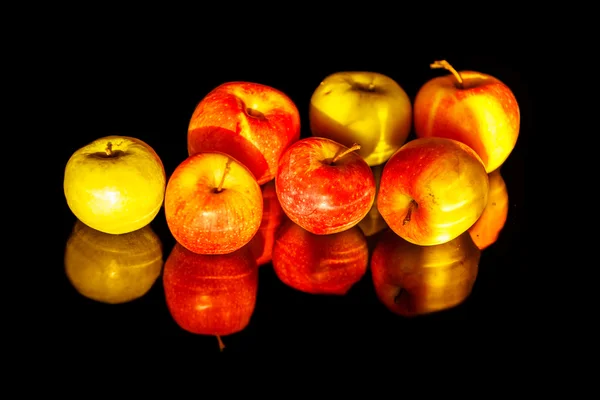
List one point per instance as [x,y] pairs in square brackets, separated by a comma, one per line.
[151,95]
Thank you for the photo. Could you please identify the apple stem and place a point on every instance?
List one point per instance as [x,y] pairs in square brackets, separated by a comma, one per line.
[446,65]
[221,344]
[341,154]
[413,204]
[227,167]
[108,149]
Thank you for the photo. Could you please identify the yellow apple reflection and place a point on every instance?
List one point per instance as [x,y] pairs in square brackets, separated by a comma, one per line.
[113,269]
[373,222]
[413,280]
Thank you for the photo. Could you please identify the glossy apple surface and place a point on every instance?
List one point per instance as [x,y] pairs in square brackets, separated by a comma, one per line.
[473,108]
[413,280]
[116,184]
[373,222]
[323,186]
[320,264]
[252,122]
[486,230]
[362,107]
[112,269]
[211,294]
[432,190]
[262,243]
[213,204]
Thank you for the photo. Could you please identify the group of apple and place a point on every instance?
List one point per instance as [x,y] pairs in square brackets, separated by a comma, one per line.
[253,191]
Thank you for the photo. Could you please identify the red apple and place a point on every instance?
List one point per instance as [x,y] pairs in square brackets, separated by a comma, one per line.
[254,123]
[262,243]
[413,280]
[471,107]
[213,204]
[432,190]
[324,186]
[320,264]
[211,294]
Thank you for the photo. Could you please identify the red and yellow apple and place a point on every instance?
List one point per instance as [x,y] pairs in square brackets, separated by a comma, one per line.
[472,107]
[112,269]
[323,186]
[213,204]
[432,190]
[211,294]
[320,264]
[486,230]
[413,280]
[115,184]
[373,222]
[253,123]
[362,107]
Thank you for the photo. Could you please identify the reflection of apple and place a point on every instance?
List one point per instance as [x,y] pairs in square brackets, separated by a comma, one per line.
[471,107]
[367,108]
[213,204]
[320,264]
[262,243]
[486,230]
[432,190]
[413,280]
[211,294]
[373,222]
[116,184]
[112,268]
[323,186]
[254,123]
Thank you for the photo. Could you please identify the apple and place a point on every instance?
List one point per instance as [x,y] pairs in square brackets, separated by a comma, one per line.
[254,123]
[471,107]
[262,243]
[213,204]
[115,184]
[320,264]
[486,230]
[211,294]
[432,190]
[323,186]
[412,280]
[373,222]
[362,107]
[112,269]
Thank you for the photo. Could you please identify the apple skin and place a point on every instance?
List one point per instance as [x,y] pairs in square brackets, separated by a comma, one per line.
[320,264]
[322,196]
[413,280]
[207,222]
[112,269]
[484,114]
[432,190]
[273,215]
[210,294]
[373,222]
[252,122]
[362,107]
[486,230]
[115,184]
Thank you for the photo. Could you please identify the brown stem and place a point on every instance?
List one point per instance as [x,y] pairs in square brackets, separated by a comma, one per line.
[221,344]
[227,167]
[108,149]
[413,204]
[446,65]
[341,154]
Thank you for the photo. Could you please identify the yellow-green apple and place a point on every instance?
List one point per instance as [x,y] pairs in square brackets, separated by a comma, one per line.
[414,280]
[320,264]
[211,294]
[323,186]
[115,184]
[112,269]
[486,230]
[362,107]
[252,122]
[432,190]
[262,243]
[213,204]
[373,222]
[472,107]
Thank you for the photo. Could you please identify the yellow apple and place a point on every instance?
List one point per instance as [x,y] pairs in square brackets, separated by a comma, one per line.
[373,222]
[116,184]
[113,268]
[486,230]
[366,108]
